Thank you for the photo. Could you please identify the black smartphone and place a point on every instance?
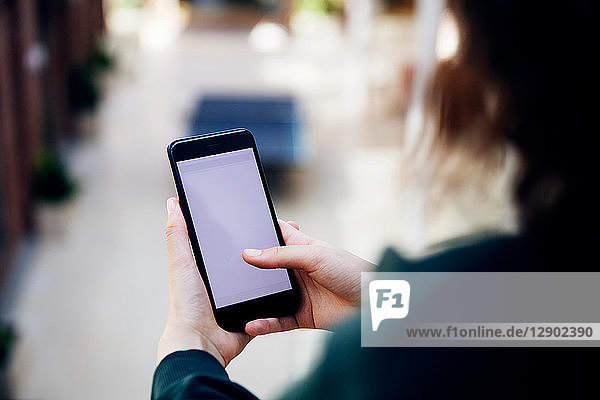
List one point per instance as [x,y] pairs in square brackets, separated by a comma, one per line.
[227,208]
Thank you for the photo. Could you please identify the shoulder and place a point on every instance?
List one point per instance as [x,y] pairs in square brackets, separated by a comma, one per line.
[491,253]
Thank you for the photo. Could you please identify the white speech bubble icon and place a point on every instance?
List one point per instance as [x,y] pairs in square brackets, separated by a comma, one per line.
[389,299]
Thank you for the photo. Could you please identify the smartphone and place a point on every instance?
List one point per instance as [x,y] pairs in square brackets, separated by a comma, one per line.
[227,208]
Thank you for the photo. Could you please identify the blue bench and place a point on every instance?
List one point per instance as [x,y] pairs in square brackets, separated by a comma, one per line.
[273,120]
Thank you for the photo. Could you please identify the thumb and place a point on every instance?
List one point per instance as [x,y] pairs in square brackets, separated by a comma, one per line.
[300,257]
[178,247]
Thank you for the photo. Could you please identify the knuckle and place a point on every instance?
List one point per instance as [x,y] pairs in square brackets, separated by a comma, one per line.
[275,252]
[172,231]
[317,256]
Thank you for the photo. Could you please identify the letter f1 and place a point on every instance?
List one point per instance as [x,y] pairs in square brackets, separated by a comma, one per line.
[381,293]
[381,297]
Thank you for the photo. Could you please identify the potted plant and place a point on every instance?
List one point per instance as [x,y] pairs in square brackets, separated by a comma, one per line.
[52,188]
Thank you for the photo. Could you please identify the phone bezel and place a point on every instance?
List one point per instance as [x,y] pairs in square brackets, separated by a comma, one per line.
[235,316]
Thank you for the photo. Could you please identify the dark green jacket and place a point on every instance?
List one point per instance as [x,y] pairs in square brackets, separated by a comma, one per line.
[351,372]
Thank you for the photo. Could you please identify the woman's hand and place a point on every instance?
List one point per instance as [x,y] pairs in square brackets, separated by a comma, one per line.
[329,280]
[190,321]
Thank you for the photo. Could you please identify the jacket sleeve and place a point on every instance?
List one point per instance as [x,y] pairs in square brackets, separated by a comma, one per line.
[194,374]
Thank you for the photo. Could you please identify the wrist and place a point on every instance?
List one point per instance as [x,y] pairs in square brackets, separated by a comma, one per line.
[177,339]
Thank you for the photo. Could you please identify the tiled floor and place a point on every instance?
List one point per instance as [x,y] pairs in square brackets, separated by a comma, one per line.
[92,296]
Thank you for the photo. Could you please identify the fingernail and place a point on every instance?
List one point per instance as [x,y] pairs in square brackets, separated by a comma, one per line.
[252,252]
[171,205]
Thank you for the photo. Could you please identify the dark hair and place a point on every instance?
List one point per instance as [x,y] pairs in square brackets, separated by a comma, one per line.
[527,73]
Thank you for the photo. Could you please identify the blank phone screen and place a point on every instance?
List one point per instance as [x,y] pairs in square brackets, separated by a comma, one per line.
[230,213]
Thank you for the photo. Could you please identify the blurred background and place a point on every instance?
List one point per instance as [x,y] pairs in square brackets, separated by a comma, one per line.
[92,92]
